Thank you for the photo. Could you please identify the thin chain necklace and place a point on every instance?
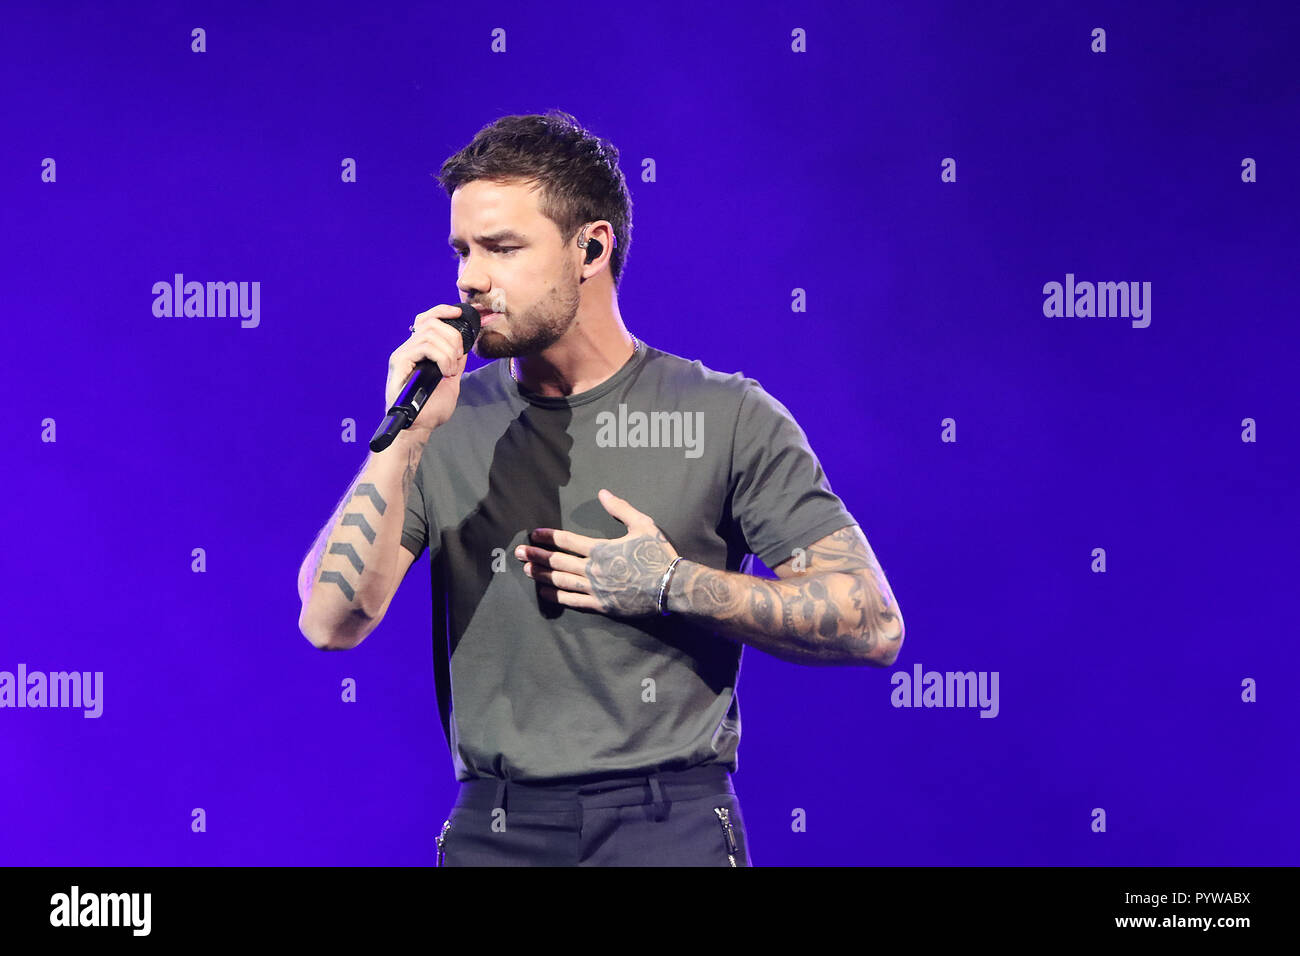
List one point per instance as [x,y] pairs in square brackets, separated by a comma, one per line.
[636,347]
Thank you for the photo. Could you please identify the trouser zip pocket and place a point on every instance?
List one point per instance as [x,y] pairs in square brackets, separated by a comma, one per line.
[724,817]
[446,825]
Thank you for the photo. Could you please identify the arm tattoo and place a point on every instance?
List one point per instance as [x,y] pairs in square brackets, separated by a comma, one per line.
[369,492]
[363,496]
[625,574]
[832,605]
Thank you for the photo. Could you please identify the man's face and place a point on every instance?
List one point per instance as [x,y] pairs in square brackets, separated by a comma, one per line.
[511,262]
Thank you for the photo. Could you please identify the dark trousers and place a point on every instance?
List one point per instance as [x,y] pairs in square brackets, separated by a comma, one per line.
[673,818]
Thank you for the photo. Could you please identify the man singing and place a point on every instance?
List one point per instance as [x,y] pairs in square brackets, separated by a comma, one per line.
[591,506]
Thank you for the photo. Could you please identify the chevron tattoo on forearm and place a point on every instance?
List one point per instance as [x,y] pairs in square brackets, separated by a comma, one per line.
[367,492]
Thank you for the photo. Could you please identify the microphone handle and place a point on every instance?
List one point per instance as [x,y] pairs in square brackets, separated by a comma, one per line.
[420,387]
[422,383]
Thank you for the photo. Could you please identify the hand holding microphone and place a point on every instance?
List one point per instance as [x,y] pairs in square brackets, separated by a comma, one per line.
[436,352]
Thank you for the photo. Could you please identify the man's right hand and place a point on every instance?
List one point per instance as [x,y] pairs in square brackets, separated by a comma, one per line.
[436,340]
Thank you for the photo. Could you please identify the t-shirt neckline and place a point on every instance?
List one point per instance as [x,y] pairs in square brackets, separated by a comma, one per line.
[629,368]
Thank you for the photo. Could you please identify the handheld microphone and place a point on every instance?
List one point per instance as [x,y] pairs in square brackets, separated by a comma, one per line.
[423,382]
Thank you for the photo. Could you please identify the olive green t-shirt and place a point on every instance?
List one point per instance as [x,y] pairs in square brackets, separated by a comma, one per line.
[532,690]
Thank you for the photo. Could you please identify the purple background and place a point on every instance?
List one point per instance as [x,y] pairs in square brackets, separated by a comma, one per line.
[776,170]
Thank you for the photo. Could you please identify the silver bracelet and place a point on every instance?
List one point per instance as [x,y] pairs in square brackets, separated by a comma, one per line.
[663,586]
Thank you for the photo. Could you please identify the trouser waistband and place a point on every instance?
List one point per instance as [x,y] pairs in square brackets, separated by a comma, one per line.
[658,788]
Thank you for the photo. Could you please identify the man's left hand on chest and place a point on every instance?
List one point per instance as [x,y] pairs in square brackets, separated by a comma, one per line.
[617,576]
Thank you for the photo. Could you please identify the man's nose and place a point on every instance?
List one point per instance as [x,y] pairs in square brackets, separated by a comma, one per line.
[472,281]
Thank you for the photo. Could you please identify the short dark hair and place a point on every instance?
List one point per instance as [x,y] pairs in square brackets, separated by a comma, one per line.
[577,170]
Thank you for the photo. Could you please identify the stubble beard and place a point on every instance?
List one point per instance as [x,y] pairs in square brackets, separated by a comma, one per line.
[535,330]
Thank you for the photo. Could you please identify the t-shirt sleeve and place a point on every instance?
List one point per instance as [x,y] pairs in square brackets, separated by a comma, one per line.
[781,498]
[415,528]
